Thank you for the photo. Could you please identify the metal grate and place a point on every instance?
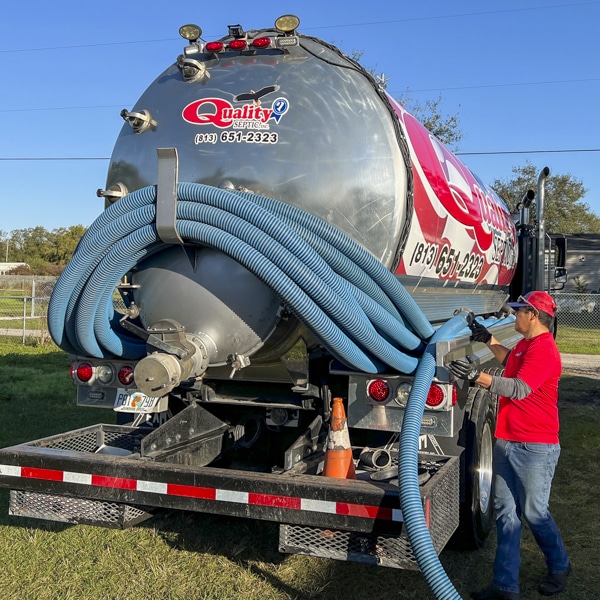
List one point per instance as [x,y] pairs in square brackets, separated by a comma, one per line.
[76,510]
[440,496]
[383,550]
[445,504]
[90,440]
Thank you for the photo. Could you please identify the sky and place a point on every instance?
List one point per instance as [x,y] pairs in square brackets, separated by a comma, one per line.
[522,75]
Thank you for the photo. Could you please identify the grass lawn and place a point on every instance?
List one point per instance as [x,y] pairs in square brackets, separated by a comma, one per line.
[578,340]
[187,556]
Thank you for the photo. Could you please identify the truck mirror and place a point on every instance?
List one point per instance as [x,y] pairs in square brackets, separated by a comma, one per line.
[560,275]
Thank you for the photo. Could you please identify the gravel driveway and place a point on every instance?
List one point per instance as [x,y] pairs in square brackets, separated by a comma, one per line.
[582,364]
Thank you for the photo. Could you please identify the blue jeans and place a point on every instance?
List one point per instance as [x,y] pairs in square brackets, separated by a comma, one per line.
[522,478]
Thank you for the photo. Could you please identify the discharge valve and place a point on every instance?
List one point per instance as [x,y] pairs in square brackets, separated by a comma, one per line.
[173,358]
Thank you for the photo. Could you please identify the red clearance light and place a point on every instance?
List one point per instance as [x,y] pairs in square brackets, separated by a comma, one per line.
[261,42]
[214,46]
[125,375]
[435,396]
[378,390]
[237,44]
[454,395]
[84,372]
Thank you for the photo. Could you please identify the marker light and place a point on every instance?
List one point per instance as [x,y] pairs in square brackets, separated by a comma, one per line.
[84,372]
[261,42]
[378,390]
[190,32]
[237,44]
[402,393]
[435,396]
[125,375]
[104,373]
[287,23]
[214,46]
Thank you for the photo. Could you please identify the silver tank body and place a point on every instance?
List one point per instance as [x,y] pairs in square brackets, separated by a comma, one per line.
[329,147]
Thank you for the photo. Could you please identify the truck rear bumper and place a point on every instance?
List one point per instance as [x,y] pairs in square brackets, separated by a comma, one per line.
[99,464]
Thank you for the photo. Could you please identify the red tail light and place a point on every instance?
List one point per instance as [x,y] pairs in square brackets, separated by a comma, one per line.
[435,396]
[214,46]
[261,42]
[125,375]
[378,390]
[84,372]
[237,44]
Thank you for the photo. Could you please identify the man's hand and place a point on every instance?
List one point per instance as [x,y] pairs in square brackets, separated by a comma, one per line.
[466,369]
[479,333]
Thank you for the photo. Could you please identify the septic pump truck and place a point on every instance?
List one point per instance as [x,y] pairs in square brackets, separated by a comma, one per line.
[282,232]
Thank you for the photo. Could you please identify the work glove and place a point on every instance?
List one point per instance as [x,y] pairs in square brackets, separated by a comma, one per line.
[466,369]
[479,333]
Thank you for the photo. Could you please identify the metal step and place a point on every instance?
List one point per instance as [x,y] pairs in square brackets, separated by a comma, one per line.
[440,499]
[76,510]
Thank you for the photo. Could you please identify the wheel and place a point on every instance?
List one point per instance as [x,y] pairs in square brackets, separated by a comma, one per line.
[477,507]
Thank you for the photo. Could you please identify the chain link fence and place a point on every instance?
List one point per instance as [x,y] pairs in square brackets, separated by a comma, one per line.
[578,318]
[24,306]
[579,310]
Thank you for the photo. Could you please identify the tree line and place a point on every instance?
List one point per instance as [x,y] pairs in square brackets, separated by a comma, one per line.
[45,252]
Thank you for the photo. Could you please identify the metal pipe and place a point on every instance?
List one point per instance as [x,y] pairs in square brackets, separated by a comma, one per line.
[24,317]
[550,263]
[525,204]
[541,227]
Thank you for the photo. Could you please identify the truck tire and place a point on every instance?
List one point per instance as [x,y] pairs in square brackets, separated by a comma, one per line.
[477,506]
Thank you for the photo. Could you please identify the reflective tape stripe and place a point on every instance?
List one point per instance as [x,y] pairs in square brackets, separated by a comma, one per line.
[274,501]
[48,474]
[204,493]
[231,496]
[191,491]
[152,487]
[114,482]
[10,470]
[84,478]
[321,506]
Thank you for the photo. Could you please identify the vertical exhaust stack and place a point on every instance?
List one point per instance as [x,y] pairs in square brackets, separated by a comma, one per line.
[541,227]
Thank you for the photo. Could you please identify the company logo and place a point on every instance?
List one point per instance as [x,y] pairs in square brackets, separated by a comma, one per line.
[466,199]
[221,113]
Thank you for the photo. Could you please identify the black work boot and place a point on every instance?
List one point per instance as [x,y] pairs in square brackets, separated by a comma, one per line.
[491,593]
[554,583]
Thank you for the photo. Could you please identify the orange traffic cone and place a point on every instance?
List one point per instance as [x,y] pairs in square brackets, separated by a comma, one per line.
[338,457]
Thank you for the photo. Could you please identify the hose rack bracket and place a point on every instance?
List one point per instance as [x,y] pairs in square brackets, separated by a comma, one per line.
[166,196]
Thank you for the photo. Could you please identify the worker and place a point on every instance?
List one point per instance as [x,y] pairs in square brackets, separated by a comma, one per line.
[527,446]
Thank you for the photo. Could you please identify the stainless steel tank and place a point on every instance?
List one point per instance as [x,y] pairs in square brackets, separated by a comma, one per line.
[302,125]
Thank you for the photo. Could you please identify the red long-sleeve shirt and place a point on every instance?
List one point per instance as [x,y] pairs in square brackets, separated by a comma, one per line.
[534,418]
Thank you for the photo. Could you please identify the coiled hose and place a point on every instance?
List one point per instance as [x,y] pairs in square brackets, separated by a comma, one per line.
[350,302]
[347,299]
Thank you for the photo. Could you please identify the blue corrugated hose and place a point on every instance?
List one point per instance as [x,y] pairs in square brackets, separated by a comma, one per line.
[352,304]
[410,497]
[345,311]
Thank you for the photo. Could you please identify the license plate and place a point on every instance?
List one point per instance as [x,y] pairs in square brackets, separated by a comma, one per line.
[133,401]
